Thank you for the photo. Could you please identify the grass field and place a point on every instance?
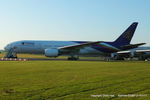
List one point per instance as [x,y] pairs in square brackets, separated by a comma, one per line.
[73,80]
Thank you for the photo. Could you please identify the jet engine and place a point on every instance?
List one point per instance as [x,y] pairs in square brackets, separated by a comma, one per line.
[51,52]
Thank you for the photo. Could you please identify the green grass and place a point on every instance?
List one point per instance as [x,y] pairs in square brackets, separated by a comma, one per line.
[75,80]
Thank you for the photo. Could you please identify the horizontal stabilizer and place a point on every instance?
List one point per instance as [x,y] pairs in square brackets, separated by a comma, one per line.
[131,46]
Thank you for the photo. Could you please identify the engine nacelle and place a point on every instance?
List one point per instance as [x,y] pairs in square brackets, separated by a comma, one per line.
[132,54]
[51,52]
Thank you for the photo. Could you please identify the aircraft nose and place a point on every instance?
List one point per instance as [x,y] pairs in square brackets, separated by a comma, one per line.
[7,47]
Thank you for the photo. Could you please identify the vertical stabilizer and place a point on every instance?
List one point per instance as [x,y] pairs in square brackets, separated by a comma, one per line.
[126,36]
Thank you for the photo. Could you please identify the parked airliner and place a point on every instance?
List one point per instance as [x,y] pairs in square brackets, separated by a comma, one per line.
[74,49]
[142,53]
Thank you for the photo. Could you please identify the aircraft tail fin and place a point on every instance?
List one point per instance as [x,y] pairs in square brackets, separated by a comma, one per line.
[126,36]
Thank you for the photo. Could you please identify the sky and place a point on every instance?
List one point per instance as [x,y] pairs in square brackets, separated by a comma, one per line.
[87,20]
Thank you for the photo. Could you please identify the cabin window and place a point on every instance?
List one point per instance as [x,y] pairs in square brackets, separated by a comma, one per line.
[27,43]
[22,43]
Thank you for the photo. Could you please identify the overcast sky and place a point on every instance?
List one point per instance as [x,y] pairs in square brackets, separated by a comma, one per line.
[92,20]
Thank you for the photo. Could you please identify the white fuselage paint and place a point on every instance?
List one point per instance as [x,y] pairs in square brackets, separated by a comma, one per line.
[38,47]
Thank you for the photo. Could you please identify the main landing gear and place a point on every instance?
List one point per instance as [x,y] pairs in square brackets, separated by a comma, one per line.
[73,58]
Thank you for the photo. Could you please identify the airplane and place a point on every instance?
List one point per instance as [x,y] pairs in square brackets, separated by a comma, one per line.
[74,49]
[142,53]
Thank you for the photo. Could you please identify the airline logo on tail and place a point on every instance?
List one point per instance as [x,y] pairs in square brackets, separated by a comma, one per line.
[128,36]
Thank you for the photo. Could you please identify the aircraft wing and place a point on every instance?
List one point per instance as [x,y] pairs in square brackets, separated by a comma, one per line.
[133,52]
[131,46]
[136,51]
[141,51]
[123,52]
[78,46]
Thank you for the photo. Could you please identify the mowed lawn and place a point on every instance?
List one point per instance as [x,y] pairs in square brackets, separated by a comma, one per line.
[73,80]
